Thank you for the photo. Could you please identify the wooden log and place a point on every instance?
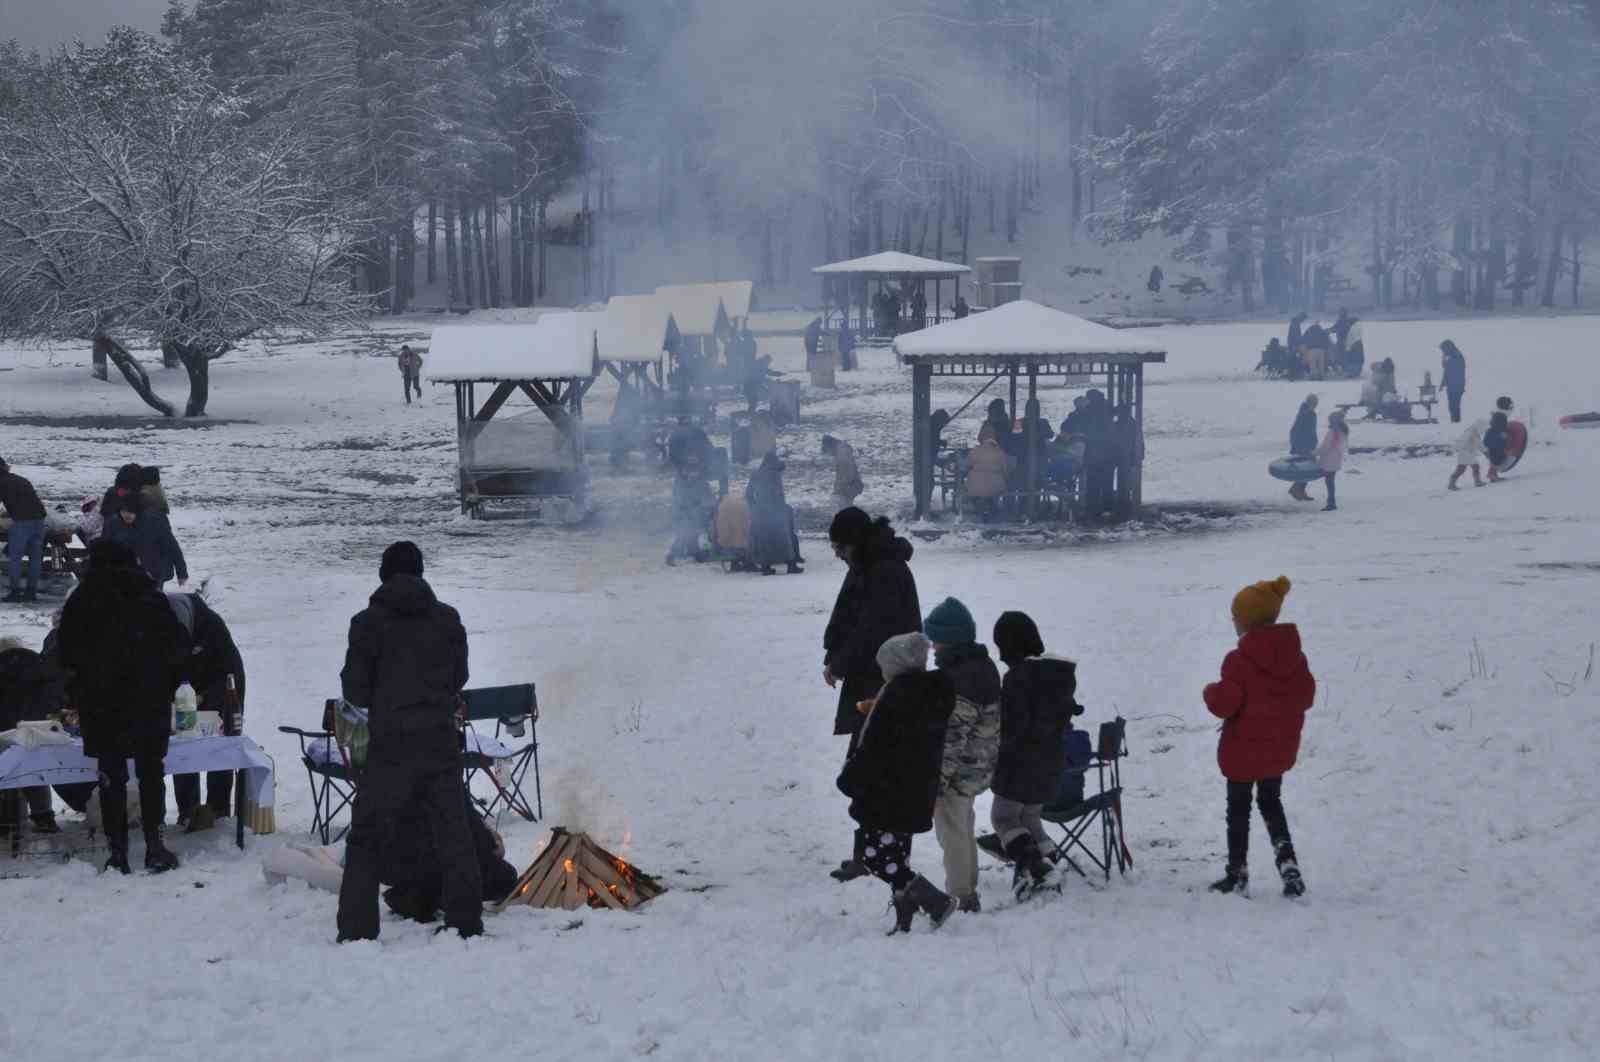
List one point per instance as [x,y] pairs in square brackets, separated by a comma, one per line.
[555,875]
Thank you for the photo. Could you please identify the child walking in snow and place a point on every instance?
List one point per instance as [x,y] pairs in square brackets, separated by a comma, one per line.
[1494,444]
[1330,455]
[892,777]
[1036,710]
[1469,450]
[1263,695]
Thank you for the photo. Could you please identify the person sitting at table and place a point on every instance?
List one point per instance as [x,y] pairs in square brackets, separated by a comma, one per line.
[987,472]
[213,659]
[124,653]
[31,687]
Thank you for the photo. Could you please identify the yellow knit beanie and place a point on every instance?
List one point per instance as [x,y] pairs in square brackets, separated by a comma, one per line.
[1258,605]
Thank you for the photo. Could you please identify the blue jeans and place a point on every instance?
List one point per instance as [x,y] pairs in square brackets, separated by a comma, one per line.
[27,537]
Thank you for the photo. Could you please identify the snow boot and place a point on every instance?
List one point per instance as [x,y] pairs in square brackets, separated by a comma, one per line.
[970,904]
[158,859]
[114,820]
[795,569]
[937,905]
[1298,492]
[849,870]
[1031,871]
[1289,871]
[409,903]
[1236,879]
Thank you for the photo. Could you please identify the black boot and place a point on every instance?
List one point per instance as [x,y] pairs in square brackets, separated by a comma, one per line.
[158,859]
[1031,871]
[1237,879]
[795,569]
[856,866]
[114,820]
[921,895]
[410,903]
[1289,871]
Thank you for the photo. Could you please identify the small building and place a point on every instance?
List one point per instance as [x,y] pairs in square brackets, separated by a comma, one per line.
[1024,340]
[521,456]
[862,282]
[707,315]
[632,336]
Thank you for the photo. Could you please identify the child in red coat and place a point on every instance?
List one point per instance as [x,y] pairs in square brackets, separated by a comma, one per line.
[1262,699]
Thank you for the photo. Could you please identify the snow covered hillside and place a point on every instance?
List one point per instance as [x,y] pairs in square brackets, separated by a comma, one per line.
[1442,805]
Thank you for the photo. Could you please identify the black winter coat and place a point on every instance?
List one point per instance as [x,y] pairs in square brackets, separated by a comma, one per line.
[770,543]
[213,655]
[150,537]
[892,778]
[19,499]
[124,652]
[407,664]
[410,860]
[1303,436]
[31,687]
[877,601]
[1036,710]
[1455,373]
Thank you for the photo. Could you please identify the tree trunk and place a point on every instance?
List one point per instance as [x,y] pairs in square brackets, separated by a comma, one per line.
[464,212]
[514,236]
[479,219]
[433,240]
[1461,250]
[452,257]
[134,373]
[169,355]
[543,223]
[491,217]
[1577,266]
[1552,268]
[199,365]
[97,361]
[768,278]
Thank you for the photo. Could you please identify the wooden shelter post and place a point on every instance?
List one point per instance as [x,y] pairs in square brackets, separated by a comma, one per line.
[1030,439]
[922,436]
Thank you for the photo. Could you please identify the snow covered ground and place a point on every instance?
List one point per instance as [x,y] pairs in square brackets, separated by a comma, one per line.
[1442,806]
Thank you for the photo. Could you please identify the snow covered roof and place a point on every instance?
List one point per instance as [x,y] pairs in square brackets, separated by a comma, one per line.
[632,329]
[895,263]
[557,346]
[1018,329]
[694,306]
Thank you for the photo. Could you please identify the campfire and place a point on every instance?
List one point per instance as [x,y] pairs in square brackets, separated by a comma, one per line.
[573,871]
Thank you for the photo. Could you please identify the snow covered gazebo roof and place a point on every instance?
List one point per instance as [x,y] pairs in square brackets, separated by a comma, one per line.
[1028,331]
[700,309]
[895,263]
[633,330]
[556,346]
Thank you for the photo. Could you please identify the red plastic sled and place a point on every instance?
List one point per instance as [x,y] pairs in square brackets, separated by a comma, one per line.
[1516,444]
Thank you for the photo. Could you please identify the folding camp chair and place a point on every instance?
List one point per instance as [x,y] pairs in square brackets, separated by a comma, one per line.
[1103,808]
[515,711]
[333,758]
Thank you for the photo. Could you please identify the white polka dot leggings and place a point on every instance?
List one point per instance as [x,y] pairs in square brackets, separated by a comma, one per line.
[886,854]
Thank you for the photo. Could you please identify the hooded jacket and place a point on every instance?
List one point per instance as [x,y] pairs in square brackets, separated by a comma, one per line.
[151,539]
[972,736]
[769,514]
[1036,710]
[407,664]
[1262,698]
[892,778]
[124,652]
[18,498]
[31,686]
[877,600]
[213,655]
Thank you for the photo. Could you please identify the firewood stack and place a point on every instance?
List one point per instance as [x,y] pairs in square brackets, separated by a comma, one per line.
[573,872]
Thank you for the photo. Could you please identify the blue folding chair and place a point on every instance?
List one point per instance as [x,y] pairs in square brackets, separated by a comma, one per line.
[1076,811]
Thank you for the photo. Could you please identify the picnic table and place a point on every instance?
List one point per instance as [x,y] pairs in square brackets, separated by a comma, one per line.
[64,763]
[1395,409]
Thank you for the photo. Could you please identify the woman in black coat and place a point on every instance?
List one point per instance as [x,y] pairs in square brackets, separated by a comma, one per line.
[1454,365]
[125,652]
[1036,710]
[148,532]
[771,540]
[892,777]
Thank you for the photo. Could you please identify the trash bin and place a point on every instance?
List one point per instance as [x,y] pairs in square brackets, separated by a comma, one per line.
[784,398]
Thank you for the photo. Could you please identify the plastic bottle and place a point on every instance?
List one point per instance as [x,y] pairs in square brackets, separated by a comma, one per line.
[184,709]
[232,713]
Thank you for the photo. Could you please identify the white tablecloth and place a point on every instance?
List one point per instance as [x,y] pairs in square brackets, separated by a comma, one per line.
[66,764]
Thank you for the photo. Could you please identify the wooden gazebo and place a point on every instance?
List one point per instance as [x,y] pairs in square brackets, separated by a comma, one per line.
[551,361]
[1022,340]
[632,336]
[707,314]
[865,277]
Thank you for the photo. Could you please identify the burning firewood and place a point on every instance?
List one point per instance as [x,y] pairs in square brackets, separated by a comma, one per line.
[573,871]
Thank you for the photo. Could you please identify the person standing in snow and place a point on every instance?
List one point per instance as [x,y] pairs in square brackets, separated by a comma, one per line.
[877,601]
[1469,452]
[151,496]
[1355,349]
[771,520]
[1455,377]
[847,485]
[410,372]
[1315,343]
[1262,698]
[124,652]
[1296,326]
[892,777]
[959,309]
[26,537]
[1303,440]
[405,666]
[689,451]
[1157,278]
[213,660]
[1330,455]
[1494,444]
[971,743]
[148,533]
[847,343]
[1036,710]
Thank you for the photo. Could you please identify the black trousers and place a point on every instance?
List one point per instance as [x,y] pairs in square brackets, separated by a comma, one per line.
[1327,478]
[388,787]
[1268,793]
[1454,398]
[149,760]
[887,854]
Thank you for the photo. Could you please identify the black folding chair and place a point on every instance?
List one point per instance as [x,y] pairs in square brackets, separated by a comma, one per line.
[515,711]
[331,768]
[1102,808]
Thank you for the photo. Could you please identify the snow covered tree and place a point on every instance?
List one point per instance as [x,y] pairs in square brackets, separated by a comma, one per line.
[137,200]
